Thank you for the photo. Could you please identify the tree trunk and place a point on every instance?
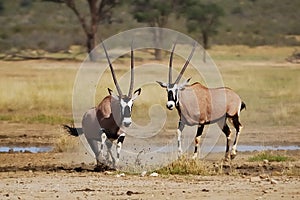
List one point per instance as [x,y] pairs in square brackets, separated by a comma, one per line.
[205,39]
[90,43]
[157,54]
[91,36]
[157,40]
[205,44]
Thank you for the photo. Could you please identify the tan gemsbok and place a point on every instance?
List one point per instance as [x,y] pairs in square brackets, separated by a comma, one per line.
[109,119]
[199,105]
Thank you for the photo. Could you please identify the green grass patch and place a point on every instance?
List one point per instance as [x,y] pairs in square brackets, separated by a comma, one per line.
[5,118]
[270,157]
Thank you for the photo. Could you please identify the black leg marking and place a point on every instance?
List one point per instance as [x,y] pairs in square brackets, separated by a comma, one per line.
[226,130]
[179,133]
[180,125]
[119,145]
[200,130]
[121,139]
[197,138]
[103,139]
[237,125]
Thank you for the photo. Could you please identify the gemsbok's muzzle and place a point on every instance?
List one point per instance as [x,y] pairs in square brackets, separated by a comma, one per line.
[127,117]
[127,121]
[170,105]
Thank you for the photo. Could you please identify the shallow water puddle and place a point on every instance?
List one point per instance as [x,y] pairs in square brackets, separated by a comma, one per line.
[240,148]
[26,149]
[243,148]
[215,149]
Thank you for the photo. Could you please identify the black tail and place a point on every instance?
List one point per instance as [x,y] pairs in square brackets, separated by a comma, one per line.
[72,130]
[243,106]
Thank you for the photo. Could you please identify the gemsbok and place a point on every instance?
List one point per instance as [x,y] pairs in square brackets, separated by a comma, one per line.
[199,105]
[109,119]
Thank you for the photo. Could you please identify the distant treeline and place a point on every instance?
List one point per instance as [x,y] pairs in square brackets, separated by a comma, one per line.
[40,24]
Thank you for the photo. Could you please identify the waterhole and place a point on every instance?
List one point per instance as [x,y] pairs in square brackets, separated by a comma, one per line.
[32,149]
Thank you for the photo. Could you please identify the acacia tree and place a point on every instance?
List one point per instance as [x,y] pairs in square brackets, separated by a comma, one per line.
[99,10]
[155,13]
[203,18]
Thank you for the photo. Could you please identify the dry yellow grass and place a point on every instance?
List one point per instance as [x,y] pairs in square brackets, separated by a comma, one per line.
[41,91]
[36,88]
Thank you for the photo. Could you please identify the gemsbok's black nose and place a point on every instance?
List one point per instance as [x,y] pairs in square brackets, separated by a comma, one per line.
[127,124]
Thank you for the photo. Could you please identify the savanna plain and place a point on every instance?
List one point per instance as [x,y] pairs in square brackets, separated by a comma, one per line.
[36,99]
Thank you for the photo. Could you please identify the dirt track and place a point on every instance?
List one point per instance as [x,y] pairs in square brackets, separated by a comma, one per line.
[60,176]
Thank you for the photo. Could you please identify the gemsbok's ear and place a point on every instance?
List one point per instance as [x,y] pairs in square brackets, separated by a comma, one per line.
[164,85]
[136,94]
[111,93]
[182,85]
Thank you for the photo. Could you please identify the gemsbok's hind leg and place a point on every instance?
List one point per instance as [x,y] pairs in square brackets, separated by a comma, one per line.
[237,125]
[94,146]
[226,130]
[197,140]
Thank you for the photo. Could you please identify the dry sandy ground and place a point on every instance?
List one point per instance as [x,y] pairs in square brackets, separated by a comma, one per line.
[62,185]
[57,176]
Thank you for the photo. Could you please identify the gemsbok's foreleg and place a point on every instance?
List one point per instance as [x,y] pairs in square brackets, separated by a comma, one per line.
[103,139]
[119,146]
[237,125]
[179,137]
[109,154]
[197,140]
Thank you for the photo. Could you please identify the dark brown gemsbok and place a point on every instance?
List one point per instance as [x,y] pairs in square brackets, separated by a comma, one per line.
[109,119]
[199,105]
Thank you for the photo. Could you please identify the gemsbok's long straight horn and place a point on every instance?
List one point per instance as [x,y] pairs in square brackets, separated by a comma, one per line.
[131,72]
[170,62]
[186,63]
[112,71]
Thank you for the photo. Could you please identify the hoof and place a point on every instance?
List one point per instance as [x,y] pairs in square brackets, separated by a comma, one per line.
[227,157]
[232,156]
[226,164]
[226,160]
[194,156]
[179,153]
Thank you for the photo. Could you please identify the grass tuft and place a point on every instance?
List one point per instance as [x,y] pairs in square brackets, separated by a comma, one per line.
[185,166]
[66,144]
